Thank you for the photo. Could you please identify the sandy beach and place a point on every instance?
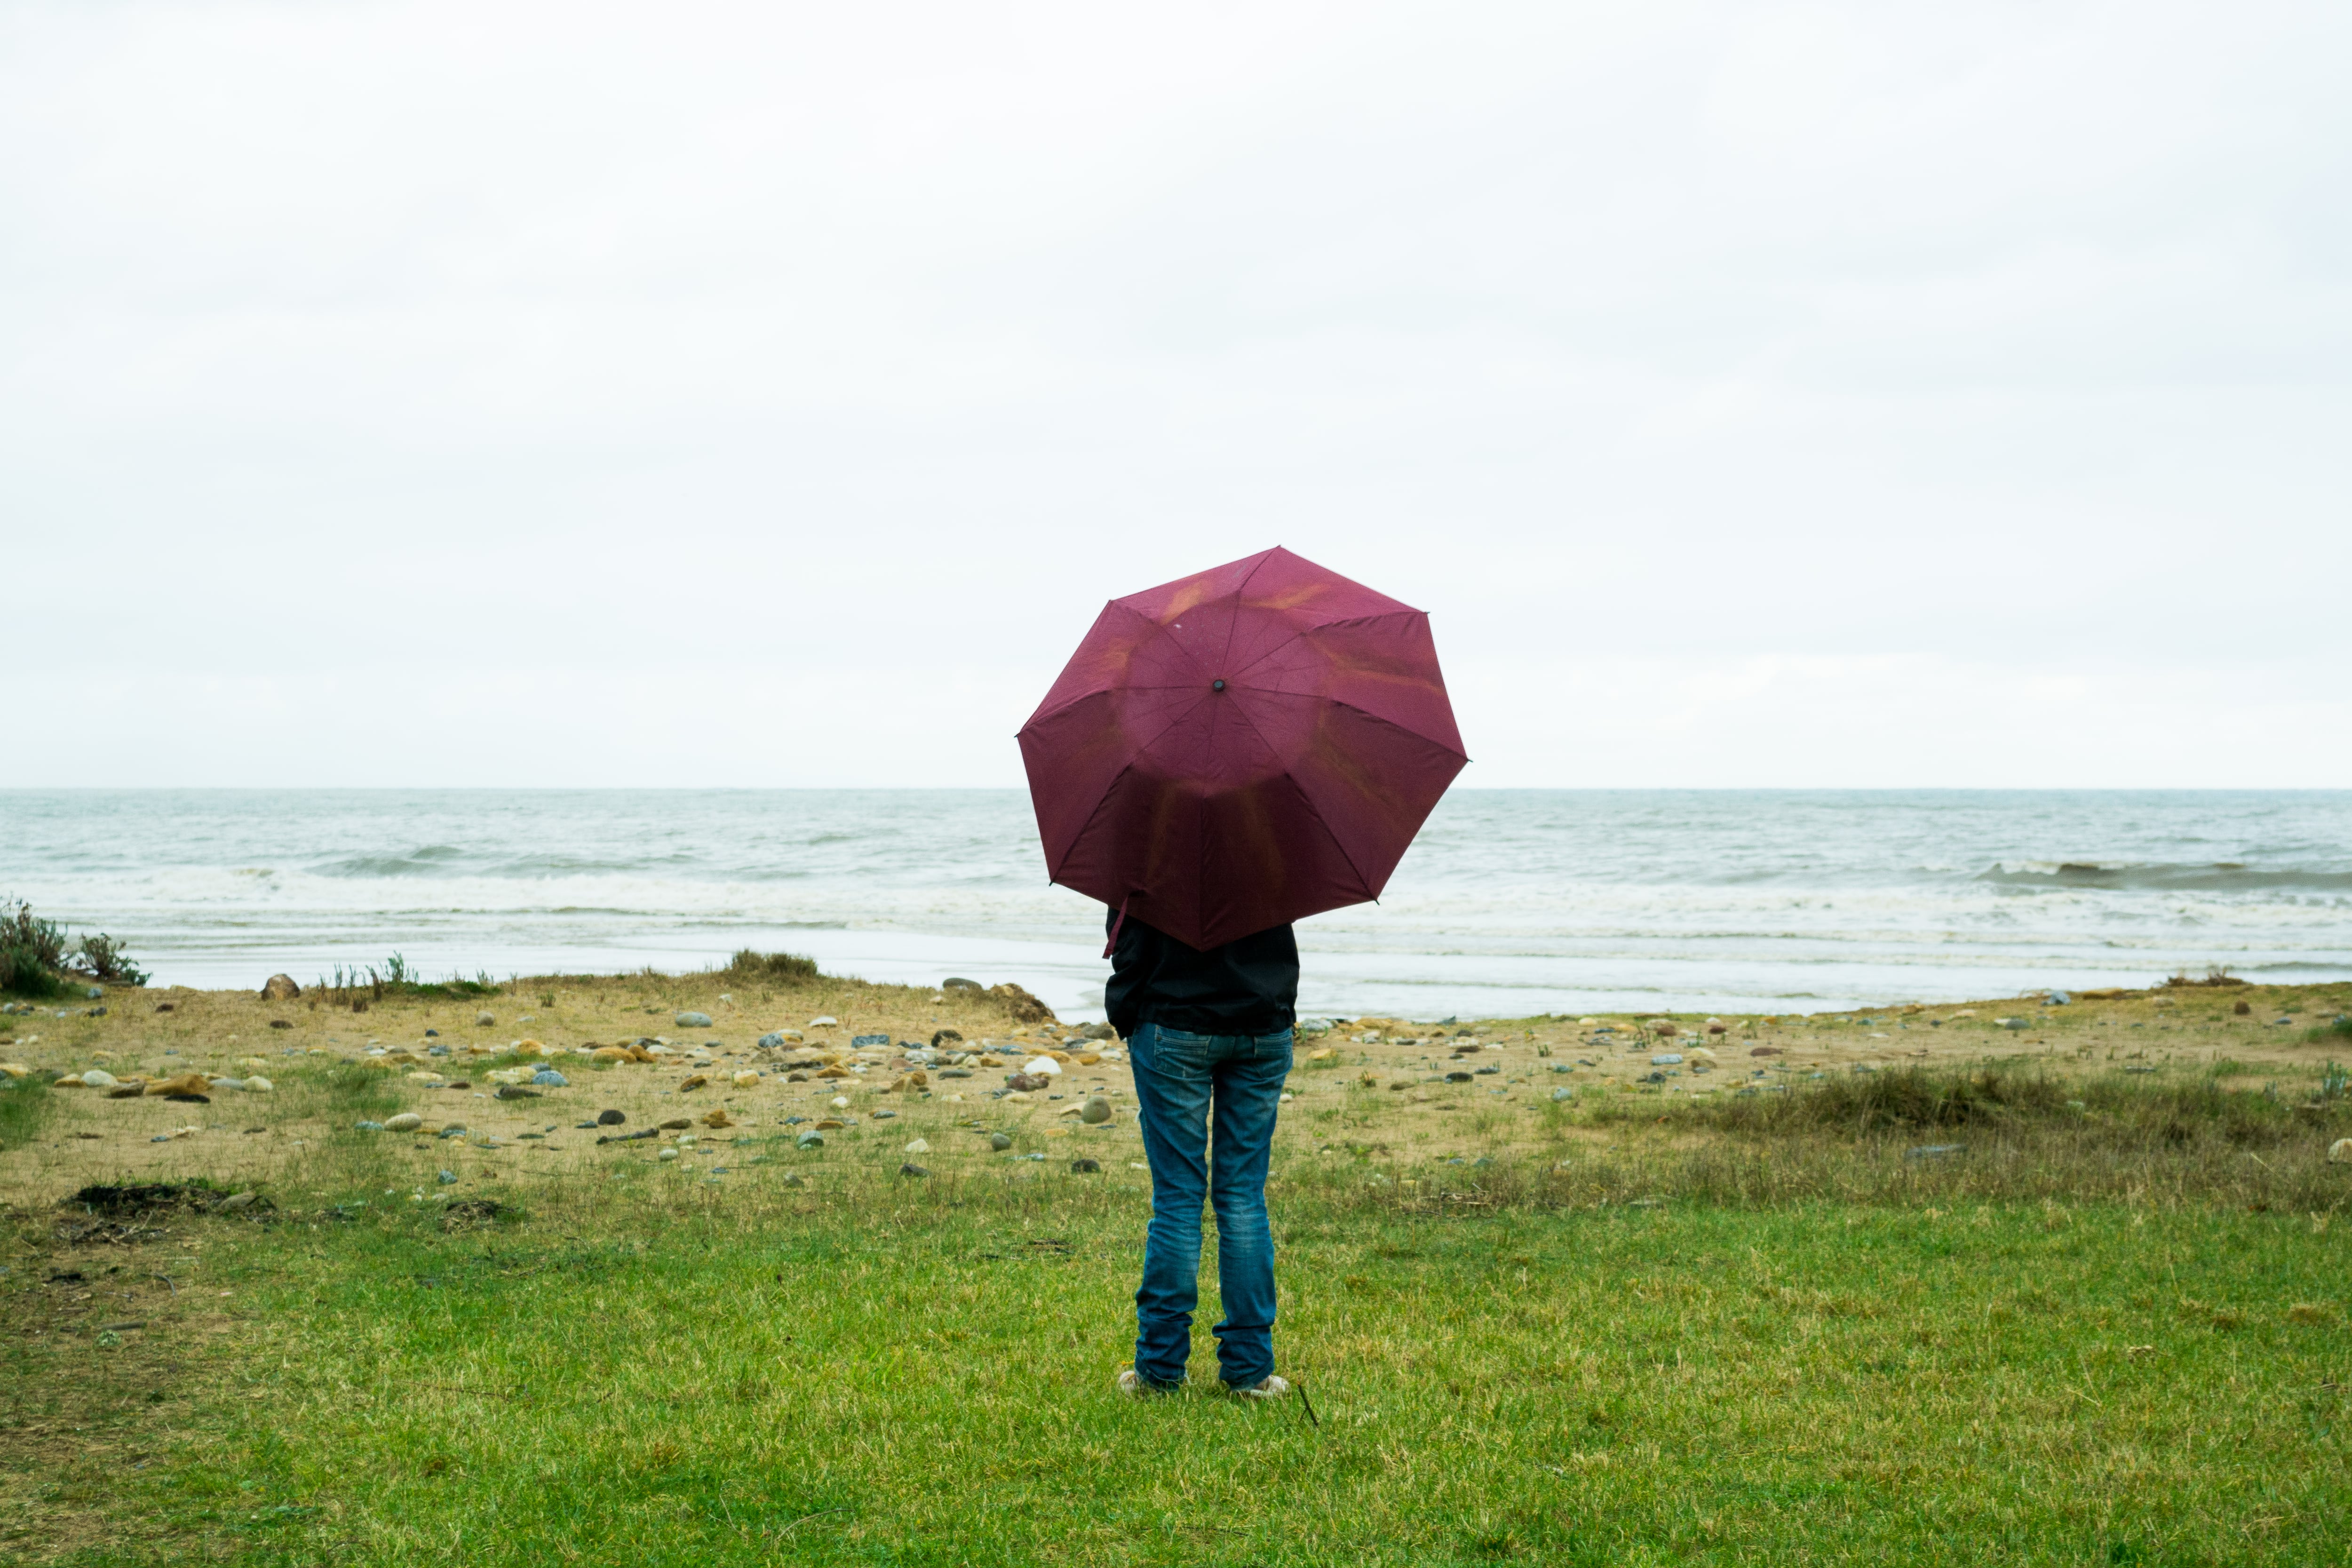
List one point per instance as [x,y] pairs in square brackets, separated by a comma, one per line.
[1425,1092]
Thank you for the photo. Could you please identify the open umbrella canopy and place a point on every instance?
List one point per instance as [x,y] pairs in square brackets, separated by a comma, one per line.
[1246,746]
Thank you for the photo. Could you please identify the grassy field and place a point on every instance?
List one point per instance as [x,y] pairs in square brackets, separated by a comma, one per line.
[2106,1325]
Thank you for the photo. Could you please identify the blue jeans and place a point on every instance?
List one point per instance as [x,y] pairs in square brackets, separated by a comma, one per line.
[1178,1076]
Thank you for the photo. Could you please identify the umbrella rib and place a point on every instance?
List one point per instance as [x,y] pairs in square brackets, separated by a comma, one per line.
[1367,715]
[1098,690]
[1318,626]
[1239,589]
[1141,747]
[1361,881]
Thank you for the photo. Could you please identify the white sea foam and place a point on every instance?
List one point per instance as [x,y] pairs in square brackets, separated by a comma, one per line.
[1511,902]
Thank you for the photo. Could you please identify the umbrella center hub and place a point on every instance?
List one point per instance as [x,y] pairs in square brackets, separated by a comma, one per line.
[1216,686]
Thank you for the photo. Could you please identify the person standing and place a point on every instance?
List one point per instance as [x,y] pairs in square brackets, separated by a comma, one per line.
[1208,1035]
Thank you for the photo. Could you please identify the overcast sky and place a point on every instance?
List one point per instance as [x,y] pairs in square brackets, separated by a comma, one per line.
[685,393]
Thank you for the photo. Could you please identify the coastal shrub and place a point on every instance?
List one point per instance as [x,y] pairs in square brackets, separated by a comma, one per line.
[22,975]
[2111,1112]
[102,958]
[1909,1100]
[32,951]
[22,930]
[34,956]
[779,968]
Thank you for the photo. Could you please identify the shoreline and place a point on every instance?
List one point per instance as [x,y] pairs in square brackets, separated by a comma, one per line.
[769,1043]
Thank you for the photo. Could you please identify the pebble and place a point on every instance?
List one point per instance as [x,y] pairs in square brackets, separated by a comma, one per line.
[1457,1078]
[747,1080]
[1042,1067]
[809,1141]
[610,1117]
[1666,1060]
[912,1169]
[693,1020]
[1563,1092]
[885,1115]
[509,1091]
[669,1155]
[484,1020]
[795,1179]
[1085,1167]
[918,1147]
[367,1126]
[235,1201]
[999,1141]
[1935,1151]
[859,1042]
[840,1102]
[831,1124]
[2340,1152]
[406,1122]
[548,1077]
[97,1077]
[446,1177]
[1096,1111]
[451,1133]
[824,1021]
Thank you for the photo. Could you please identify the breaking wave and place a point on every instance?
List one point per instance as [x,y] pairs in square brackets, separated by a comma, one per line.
[2218,877]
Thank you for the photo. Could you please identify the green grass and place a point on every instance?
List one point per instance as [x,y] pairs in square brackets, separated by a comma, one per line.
[655,1369]
[2337,1030]
[25,1107]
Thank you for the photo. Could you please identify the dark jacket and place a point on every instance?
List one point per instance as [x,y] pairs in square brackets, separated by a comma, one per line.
[1248,986]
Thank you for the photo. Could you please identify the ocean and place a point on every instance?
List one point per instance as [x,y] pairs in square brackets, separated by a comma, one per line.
[1513,901]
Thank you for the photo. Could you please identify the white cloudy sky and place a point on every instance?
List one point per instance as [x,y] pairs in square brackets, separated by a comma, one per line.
[1755,393]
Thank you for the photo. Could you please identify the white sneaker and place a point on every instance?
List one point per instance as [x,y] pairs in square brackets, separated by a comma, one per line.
[1271,1387]
[1131,1385]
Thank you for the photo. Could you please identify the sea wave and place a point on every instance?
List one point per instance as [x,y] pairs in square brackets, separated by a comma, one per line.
[2216,876]
[1524,898]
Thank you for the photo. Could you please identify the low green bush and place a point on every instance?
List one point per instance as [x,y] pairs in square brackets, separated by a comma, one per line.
[782,968]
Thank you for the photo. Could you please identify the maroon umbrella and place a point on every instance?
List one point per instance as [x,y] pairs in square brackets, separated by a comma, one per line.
[1247,746]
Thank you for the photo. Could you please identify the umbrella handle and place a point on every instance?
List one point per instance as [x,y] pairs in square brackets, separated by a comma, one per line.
[1113,942]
